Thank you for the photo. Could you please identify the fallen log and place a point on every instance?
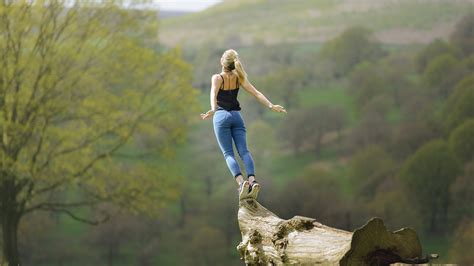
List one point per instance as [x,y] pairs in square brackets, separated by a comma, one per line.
[270,240]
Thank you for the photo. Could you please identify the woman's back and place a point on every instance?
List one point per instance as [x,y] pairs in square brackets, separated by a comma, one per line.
[230,81]
[228,92]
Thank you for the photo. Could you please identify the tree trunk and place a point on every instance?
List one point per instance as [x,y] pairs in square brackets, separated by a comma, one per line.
[10,246]
[270,240]
[10,220]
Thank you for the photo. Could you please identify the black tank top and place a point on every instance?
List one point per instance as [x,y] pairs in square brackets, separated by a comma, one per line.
[227,99]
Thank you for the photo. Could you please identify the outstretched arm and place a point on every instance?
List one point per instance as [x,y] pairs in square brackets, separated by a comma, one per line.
[261,98]
[213,96]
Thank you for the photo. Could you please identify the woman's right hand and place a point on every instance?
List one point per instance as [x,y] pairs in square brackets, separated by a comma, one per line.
[208,114]
[277,108]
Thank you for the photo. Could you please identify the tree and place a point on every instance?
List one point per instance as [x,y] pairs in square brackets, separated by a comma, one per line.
[427,175]
[351,47]
[391,204]
[463,35]
[397,69]
[462,193]
[368,169]
[322,196]
[462,141]
[442,73]
[459,105]
[463,238]
[321,120]
[207,246]
[434,49]
[285,84]
[409,136]
[261,139]
[366,82]
[109,238]
[78,94]
[295,138]
[372,129]
[207,62]
[386,80]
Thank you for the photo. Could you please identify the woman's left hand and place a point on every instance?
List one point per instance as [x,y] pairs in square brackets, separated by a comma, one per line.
[278,109]
[208,114]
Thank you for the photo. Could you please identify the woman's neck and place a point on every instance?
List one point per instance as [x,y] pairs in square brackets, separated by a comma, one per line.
[225,70]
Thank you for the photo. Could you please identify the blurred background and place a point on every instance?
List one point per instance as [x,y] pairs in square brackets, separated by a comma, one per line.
[380,123]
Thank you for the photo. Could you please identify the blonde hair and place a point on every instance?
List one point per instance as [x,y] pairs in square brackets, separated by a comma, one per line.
[230,60]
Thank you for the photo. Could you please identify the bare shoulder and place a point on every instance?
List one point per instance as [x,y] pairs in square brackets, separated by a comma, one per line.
[216,78]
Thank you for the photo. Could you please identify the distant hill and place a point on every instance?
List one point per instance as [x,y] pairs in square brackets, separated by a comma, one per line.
[247,22]
[168,14]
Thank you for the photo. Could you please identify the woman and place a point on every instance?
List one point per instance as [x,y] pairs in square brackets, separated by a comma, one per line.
[228,122]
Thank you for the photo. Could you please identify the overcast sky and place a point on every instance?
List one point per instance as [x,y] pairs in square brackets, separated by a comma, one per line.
[184,5]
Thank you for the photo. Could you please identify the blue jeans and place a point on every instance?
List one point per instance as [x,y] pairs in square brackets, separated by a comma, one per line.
[228,126]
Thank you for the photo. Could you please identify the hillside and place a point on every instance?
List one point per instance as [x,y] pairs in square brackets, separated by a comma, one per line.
[280,21]
[168,14]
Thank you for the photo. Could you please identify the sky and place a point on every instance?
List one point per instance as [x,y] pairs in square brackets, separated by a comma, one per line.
[184,5]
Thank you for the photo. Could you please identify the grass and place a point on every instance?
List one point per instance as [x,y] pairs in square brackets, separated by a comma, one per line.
[332,95]
[328,95]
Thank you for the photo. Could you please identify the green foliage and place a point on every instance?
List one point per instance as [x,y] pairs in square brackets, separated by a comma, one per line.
[463,35]
[468,63]
[284,85]
[408,136]
[398,68]
[383,84]
[462,193]
[206,252]
[262,140]
[79,87]
[391,203]
[442,73]
[432,50]
[315,193]
[368,169]
[312,124]
[353,46]
[463,237]
[366,83]
[462,141]
[295,138]
[427,175]
[459,105]
[371,128]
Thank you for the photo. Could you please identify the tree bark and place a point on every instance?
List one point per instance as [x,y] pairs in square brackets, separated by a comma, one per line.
[270,240]
[10,218]
[10,246]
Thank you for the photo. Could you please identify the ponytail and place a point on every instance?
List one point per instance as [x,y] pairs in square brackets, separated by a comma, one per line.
[239,69]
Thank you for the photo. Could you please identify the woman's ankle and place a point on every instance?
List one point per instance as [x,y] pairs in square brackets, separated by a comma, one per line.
[251,178]
[239,179]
